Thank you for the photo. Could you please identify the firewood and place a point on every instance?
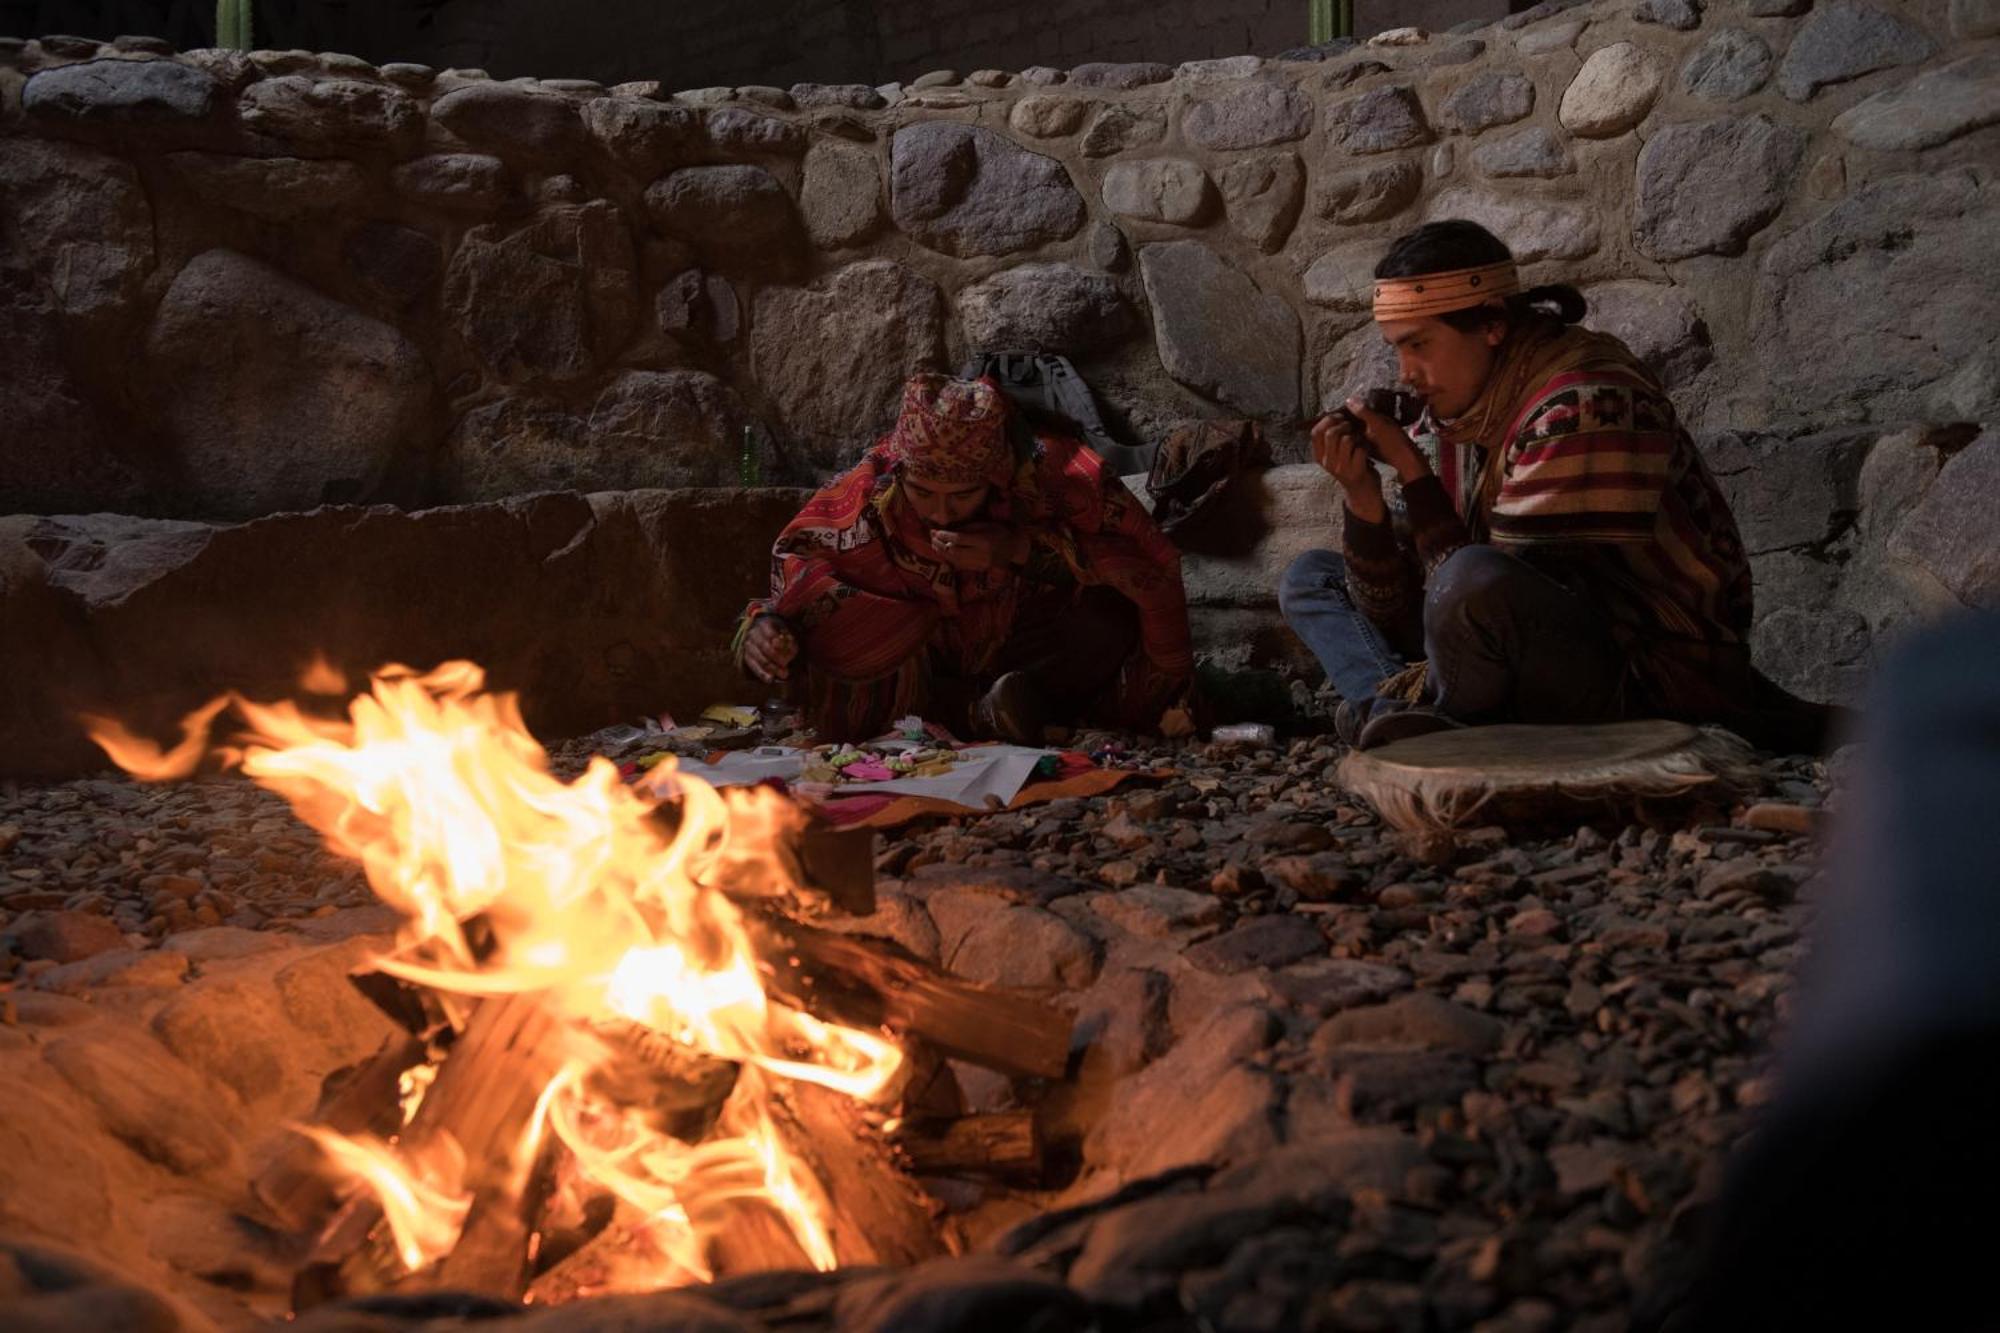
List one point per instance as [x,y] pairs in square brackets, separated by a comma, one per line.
[999,1143]
[295,1186]
[870,982]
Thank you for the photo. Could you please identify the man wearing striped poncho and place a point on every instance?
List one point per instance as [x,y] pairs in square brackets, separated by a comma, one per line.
[1569,558]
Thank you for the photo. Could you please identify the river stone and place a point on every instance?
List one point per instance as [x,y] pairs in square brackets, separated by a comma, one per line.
[1343,277]
[146,1097]
[1844,40]
[853,96]
[1251,115]
[1370,193]
[1951,531]
[991,942]
[331,113]
[80,221]
[1658,321]
[1218,333]
[1166,189]
[646,428]
[1532,228]
[552,298]
[1730,65]
[1262,193]
[1259,942]
[1119,128]
[277,397]
[1537,151]
[1378,121]
[1554,37]
[1421,1020]
[1045,116]
[1108,249]
[841,194]
[739,218]
[473,183]
[1611,93]
[63,936]
[509,120]
[280,188]
[1707,187]
[121,92]
[967,191]
[1680,15]
[1122,77]
[732,129]
[643,137]
[832,359]
[1933,108]
[1046,307]
[1975,18]
[1489,99]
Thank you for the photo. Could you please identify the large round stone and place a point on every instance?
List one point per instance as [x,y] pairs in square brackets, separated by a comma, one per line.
[1536,152]
[80,222]
[646,428]
[1708,187]
[1884,305]
[967,191]
[832,359]
[1844,40]
[841,196]
[1371,193]
[1044,307]
[548,300]
[1120,128]
[510,121]
[331,113]
[269,187]
[642,136]
[1929,110]
[1730,65]
[1263,193]
[1251,115]
[1492,98]
[1951,531]
[1659,321]
[122,92]
[1611,93]
[1165,189]
[1533,227]
[739,218]
[1220,334]
[454,182]
[277,397]
[1378,121]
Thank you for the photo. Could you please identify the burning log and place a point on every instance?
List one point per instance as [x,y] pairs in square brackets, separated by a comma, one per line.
[875,983]
[294,1186]
[1003,1143]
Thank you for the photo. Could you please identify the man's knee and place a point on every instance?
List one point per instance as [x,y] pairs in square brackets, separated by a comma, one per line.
[1468,579]
[1307,575]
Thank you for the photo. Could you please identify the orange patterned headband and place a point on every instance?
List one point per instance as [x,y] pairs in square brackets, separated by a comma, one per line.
[1424,294]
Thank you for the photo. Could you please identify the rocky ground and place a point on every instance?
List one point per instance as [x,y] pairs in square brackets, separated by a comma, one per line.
[1333,1080]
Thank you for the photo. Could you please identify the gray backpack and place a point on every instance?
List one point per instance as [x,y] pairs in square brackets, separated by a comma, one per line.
[1049,394]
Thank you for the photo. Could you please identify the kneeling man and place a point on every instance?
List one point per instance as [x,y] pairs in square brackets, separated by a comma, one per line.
[1570,558]
[946,577]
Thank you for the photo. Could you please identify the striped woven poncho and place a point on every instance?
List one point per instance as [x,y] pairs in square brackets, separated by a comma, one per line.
[1574,460]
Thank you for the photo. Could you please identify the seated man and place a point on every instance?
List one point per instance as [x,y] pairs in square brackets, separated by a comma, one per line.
[1570,560]
[947,578]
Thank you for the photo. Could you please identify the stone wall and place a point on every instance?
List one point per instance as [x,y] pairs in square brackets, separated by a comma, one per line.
[238,286]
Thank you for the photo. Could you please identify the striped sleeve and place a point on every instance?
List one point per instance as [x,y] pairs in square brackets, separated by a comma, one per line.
[1588,464]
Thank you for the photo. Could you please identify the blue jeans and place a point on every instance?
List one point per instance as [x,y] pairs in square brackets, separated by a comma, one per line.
[1506,642]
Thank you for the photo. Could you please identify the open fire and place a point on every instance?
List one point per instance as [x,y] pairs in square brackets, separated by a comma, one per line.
[601,964]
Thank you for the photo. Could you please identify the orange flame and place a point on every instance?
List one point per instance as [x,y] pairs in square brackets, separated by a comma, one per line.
[589,903]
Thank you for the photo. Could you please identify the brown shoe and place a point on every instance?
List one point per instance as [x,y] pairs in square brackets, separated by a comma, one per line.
[1403,724]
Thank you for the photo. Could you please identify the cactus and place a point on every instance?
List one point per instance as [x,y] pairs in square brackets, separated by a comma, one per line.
[232,24]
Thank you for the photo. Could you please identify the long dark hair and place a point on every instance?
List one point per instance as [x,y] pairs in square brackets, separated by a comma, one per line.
[1439,247]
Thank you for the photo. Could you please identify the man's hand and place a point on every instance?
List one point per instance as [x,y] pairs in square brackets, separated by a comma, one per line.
[768,649]
[1388,442]
[978,546]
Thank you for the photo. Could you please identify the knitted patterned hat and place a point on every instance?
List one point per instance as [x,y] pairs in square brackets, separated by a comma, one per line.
[952,430]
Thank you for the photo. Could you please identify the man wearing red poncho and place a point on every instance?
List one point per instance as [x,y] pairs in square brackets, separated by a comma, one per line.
[946,576]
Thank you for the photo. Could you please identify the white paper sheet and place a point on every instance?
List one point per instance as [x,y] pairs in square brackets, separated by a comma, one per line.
[984,776]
